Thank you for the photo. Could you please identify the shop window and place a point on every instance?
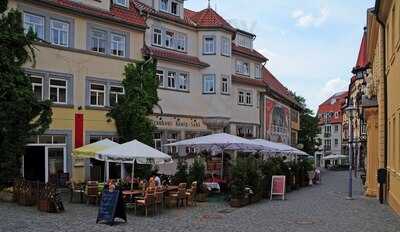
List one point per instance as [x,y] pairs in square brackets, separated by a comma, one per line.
[97,95]
[35,23]
[58,91]
[59,33]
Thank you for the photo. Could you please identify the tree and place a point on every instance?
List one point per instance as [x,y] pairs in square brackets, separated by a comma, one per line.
[21,114]
[132,111]
[308,127]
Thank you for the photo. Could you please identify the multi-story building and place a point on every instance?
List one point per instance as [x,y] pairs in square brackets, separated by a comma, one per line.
[210,76]
[383,117]
[330,123]
[281,120]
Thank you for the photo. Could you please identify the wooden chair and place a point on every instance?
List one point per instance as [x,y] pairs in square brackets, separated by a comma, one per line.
[191,194]
[179,196]
[158,201]
[92,192]
[147,202]
[75,188]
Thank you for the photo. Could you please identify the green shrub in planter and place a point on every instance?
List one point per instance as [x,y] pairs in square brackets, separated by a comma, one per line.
[181,175]
[197,173]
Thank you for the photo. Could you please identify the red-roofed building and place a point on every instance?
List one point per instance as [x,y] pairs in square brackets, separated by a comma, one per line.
[330,121]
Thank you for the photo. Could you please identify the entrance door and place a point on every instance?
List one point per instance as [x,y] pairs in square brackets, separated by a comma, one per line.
[34,163]
[55,164]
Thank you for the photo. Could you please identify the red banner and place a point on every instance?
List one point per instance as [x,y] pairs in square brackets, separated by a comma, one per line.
[78,130]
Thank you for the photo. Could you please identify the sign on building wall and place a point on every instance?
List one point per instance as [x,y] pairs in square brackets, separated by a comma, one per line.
[277,121]
[177,123]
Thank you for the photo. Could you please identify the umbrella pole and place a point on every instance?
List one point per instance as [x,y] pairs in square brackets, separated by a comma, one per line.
[222,167]
[132,173]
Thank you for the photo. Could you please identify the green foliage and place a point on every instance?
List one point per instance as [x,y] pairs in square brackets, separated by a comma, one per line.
[308,127]
[246,173]
[197,172]
[130,114]
[181,175]
[21,114]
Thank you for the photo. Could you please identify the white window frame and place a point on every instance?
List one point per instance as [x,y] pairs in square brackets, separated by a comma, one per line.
[240,67]
[206,79]
[171,80]
[167,5]
[225,46]
[159,37]
[58,90]
[209,45]
[170,39]
[183,80]
[257,71]
[121,44]
[249,98]
[98,40]
[34,84]
[225,84]
[245,97]
[181,41]
[96,91]
[117,94]
[160,74]
[241,97]
[34,25]
[123,3]
[177,8]
[59,32]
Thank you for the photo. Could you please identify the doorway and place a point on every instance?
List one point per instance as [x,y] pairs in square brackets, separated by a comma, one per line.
[34,163]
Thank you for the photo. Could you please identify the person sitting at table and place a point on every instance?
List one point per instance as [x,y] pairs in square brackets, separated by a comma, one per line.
[157,180]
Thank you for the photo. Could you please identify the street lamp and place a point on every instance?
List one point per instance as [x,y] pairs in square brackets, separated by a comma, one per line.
[350,115]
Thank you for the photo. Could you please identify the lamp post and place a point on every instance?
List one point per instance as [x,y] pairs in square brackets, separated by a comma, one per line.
[350,114]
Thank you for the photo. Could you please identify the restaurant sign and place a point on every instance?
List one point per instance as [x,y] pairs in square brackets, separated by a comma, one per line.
[278,186]
[163,122]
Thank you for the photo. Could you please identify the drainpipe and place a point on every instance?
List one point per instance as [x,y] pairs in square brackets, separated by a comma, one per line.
[382,24]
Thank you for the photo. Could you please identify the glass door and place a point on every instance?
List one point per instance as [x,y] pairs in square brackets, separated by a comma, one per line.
[56,164]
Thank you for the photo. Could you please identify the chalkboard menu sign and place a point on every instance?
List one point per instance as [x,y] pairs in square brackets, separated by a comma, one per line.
[111,207]
[278,185]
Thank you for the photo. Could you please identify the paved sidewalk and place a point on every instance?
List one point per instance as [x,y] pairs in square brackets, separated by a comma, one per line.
[318,208]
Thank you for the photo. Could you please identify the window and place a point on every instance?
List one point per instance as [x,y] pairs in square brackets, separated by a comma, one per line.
[121,2]
[169,39]
[171,79]
[58,91]
[160,77]
[209,84]
[98,41]
[59,33]
[172,137]
[182,81]
[225,85]
[244,41]
[181,42]
[34,22]
[157,140]
[242,67]
[97,95]
[336,142]
[257,71]
[37,87]
[157,36]
[115,93]
[209,45]
[174,8]
[225,46]
[164,5]
[241,97]
[96,138]
[249,98]
[336,128]
[117,45]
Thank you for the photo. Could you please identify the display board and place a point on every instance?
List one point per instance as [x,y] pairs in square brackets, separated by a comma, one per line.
[111,207]
[278,185]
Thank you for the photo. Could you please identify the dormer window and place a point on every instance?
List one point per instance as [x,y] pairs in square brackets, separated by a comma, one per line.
[170,6]
[174,8]
[123,3]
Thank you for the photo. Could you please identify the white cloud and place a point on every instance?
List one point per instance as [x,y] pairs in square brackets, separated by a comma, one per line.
[333,86]
[307,20]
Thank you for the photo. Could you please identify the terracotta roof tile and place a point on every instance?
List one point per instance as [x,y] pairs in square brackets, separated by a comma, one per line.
[173,56]
[208,18]
[332,105]
[362,60]
[122,15]
[248,81]
[275,85]
[251,53]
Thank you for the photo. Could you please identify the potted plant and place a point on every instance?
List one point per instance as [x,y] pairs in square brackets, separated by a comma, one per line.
[181,175]
[238,184]
[196,174]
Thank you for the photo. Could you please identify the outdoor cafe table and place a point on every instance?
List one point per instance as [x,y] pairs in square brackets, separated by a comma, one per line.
[130,194]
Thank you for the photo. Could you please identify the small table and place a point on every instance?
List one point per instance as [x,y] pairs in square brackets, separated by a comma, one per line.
[131,194]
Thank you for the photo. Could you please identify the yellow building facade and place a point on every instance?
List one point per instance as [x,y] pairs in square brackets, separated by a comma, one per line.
[384,120]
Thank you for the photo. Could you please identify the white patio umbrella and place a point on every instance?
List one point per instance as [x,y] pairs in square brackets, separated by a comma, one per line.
[335,157]
[220,142]
[280,147]
[134,151]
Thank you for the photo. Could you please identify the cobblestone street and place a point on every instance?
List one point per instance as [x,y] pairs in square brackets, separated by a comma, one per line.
[318,208]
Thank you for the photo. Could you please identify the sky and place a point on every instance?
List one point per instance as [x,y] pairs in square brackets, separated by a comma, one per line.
[312,45]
